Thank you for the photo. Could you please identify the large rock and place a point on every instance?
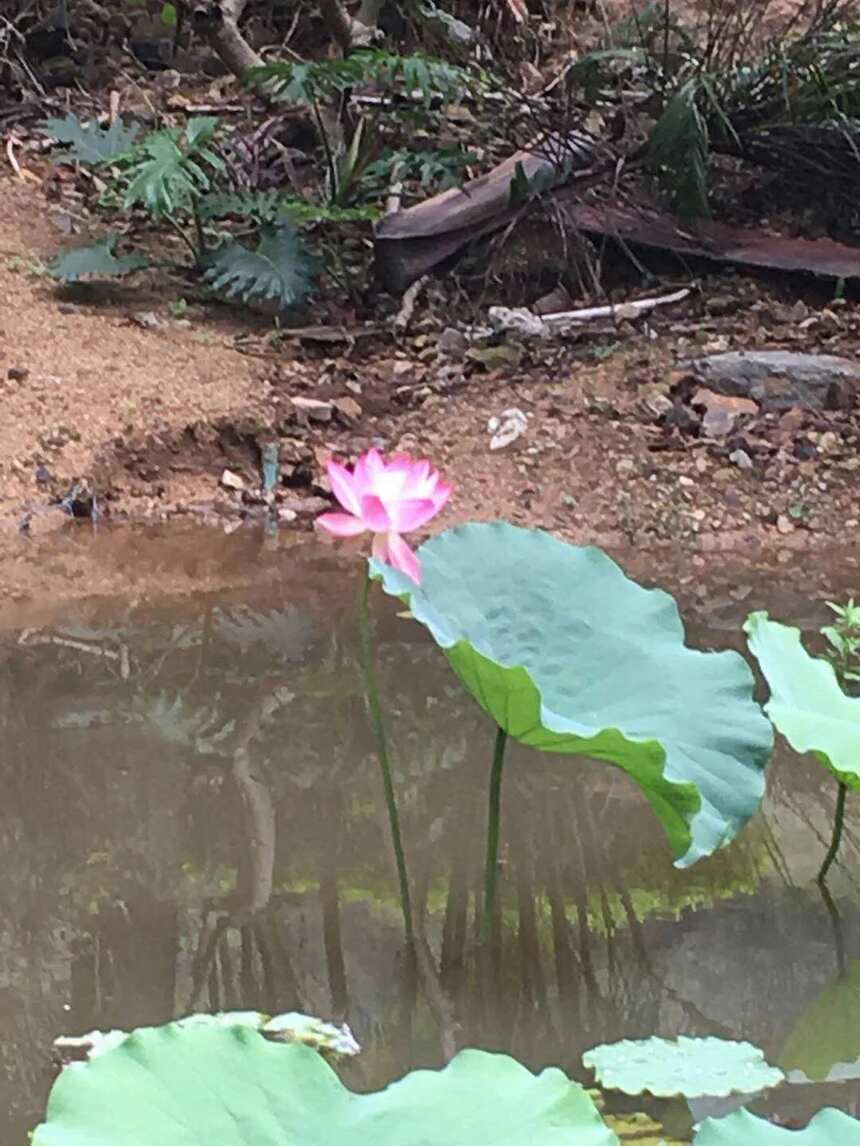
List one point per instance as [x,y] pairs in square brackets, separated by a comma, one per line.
[779,379]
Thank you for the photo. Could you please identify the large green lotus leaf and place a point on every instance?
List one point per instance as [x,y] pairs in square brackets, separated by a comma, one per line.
[828,1128]
[827,1034]
[291,1027]
[567,654]
[806,703]
[208,1085]
[693,1068]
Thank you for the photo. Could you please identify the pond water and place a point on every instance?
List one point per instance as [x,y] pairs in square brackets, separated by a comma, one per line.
[192,819]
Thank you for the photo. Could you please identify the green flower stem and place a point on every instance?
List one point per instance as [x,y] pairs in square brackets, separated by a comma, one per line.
[494,814]
[372,690]
[836,839]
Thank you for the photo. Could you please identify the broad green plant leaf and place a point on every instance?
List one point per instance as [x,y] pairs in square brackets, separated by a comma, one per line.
[88,143]
[806,703]
[96,259]
[569,655]
[829,1127]
[217,1086]
[280,268]
[172,167]
[689,1067]
[294,1027]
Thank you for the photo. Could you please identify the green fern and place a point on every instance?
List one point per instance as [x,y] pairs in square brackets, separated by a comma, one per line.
[679,150]
[88,143]
[280,268]
[308,83]
[96,259]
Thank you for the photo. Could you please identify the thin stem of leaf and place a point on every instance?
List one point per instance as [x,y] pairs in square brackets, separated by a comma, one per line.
[494,814]
[329,157]
[375,708]
[171,222]
[201,237]
[836,839]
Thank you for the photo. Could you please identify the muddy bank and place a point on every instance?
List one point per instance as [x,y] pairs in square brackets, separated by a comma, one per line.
[110,393]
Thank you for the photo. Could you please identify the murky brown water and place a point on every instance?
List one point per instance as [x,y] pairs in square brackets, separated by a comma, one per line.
[191,818]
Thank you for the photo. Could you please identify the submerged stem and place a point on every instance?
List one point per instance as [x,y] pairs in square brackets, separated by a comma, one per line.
[836,839]
[494,813]
[372,690]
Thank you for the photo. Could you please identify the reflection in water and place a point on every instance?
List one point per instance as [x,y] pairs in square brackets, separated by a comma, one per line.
[192,819]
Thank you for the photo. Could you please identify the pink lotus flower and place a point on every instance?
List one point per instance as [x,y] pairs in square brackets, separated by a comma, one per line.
[385,498]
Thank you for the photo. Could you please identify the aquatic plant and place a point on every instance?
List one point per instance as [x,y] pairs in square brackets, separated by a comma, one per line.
[293,1027]
[215,1079]
[691,1067]
[569,655]
[809,706]
[827,1128]
[387,499]
[187,1084]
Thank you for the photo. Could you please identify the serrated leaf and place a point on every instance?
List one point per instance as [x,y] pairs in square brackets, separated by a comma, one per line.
[169,174]
[806,703]
[88,143]
[96,259]
[829,1127]
[690,1067]
[200,130]
[280,268]
[569,655]
[204,1085]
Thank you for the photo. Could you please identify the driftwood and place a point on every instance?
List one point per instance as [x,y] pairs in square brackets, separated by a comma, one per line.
[716,241]
[411,243]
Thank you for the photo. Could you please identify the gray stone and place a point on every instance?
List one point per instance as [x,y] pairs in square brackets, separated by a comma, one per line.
[452,343]
[230,480]
[313,408]
[779,379]
[520,321]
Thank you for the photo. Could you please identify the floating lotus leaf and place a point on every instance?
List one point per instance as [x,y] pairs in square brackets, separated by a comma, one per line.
[209,1085]
[684,1066]
[828,1128]
[806,703]
[567,654]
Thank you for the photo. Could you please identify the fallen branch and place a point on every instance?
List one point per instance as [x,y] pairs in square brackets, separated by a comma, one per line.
[525,322]
[619,313]
[410,243]
[218,21]
[407,304]
[346,32]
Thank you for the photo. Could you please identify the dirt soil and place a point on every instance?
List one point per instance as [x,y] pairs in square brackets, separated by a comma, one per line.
[144,401]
